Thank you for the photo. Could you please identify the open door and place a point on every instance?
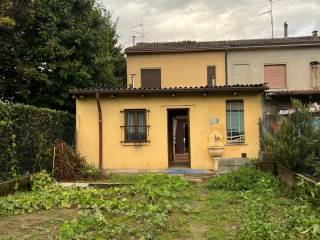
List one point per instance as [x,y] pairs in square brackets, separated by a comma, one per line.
[178,138]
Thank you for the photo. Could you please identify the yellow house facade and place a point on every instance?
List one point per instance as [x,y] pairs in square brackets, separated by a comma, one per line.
[187,69]
[176,111]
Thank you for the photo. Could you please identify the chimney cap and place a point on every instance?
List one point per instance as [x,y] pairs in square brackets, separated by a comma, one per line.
[315,33]
[285,29]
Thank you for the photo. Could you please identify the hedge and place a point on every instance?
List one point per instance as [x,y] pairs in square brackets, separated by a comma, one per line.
[28,135]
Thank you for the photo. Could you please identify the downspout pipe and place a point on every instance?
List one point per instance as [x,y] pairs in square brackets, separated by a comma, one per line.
[226,66]
[100,131]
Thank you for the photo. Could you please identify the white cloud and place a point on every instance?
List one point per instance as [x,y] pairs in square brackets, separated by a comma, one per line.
[201,20]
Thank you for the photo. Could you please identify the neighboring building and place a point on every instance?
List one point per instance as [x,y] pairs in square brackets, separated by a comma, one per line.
[289,66]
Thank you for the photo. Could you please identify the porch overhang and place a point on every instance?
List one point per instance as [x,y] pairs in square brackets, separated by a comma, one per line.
[204,90]
[293,93]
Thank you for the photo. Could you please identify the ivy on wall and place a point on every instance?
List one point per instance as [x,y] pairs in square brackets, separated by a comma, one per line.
[28,135]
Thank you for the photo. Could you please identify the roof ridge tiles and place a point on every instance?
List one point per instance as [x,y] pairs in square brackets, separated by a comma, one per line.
[200,45]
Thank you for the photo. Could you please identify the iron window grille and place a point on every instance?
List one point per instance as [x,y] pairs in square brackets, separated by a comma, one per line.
[135,129]
[235,121]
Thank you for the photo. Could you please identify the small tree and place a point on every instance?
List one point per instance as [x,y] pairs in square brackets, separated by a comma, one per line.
[48,47]
[295,142]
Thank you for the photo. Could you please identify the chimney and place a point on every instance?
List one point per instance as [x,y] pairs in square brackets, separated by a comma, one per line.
[285,30]
[315,33]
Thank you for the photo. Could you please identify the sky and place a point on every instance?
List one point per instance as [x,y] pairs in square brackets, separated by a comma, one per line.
[210,20]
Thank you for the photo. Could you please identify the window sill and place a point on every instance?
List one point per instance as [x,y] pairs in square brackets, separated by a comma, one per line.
[236,144]
[134,143]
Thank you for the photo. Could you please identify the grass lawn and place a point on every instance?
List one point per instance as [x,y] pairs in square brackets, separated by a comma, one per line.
[154,207]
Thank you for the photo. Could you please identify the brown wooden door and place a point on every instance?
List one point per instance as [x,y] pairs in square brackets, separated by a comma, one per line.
[181,140]
[180,146]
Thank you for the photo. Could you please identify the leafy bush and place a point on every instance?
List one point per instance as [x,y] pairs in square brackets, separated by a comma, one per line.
[244,179]
[296,142]
[41,181]
[135,211]
[28,135]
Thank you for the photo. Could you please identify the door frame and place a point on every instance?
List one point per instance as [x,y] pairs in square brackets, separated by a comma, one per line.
[170,137]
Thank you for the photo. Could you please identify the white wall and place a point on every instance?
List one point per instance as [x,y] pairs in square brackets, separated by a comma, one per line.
[297,62]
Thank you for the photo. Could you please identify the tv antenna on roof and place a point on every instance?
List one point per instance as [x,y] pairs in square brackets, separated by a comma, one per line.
[138,31]
[270,11]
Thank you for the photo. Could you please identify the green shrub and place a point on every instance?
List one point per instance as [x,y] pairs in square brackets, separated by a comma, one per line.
[28,135]
[41,181]
[245,178]
[296,142]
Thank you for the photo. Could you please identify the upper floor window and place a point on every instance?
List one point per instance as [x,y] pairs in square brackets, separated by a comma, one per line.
[135,125]
[275,75]
[315,74]
[235,121]
[151,78]
[211,76]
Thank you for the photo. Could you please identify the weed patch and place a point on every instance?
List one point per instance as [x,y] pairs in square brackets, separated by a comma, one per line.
[267,213]
[132,212]
[244,179]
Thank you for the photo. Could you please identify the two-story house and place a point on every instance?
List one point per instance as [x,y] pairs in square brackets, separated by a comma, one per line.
[192,104]
[176,111]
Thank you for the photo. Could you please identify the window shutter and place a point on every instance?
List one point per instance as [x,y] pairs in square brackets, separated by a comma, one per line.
[151,78]
[275,76]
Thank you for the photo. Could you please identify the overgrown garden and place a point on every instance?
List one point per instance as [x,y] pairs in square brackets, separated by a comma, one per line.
[246,204]
[271,210]
[136,211]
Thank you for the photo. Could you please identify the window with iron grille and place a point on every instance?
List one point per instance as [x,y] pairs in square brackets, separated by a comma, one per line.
[235,121]
[135,127]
